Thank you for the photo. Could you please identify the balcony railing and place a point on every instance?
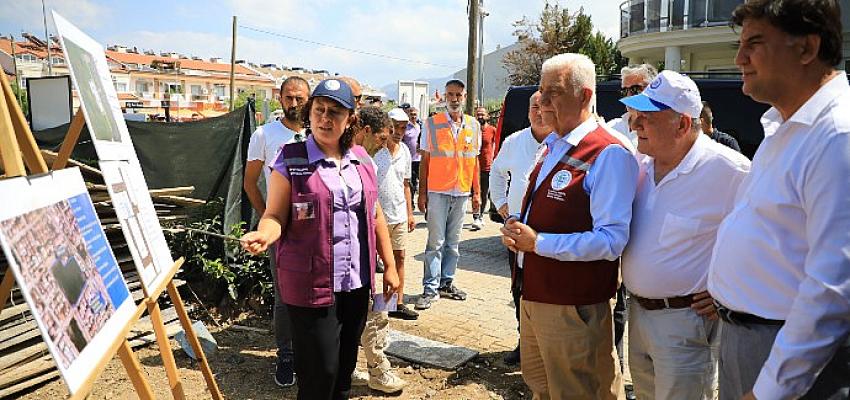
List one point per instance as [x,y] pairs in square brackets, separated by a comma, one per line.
[644,16]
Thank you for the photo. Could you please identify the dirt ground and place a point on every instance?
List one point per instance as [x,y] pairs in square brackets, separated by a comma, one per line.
[244,367]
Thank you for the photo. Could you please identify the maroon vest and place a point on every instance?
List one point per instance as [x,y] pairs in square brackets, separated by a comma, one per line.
[305,250]
[560,205]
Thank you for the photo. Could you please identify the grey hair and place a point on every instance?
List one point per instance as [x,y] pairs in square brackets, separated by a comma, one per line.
[647,71]
[696,123]
[582,71]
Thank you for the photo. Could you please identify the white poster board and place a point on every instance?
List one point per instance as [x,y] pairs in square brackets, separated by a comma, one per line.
[65,269]
[416,94]
[119,163]
[136,213]
[98,98]
[49,101]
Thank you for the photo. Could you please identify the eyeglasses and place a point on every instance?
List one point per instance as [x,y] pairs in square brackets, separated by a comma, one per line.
[631,90]
[358,97]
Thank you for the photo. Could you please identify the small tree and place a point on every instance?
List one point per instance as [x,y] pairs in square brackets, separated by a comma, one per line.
[242,98]
[558,31]
[21,95]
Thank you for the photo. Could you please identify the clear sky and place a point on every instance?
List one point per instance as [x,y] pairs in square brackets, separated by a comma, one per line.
[429,31]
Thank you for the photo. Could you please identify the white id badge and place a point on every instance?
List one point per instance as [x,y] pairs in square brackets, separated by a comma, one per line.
[303,211]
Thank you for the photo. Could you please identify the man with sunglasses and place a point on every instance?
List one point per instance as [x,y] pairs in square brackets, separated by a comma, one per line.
[633,80]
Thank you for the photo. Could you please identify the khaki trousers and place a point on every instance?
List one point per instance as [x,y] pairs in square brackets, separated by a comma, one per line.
[374,340]
[568,351]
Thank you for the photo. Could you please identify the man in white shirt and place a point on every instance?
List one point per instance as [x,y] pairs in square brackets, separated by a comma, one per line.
[633,80]
[513,164]
[780,271]
[265,143]
[394,172]
[687,184]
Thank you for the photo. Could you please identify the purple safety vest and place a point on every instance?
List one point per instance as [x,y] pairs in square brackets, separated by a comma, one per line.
[305,250]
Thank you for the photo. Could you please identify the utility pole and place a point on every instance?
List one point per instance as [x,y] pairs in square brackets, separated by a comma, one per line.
[47,39]
[15,68]
[233,66]
[471,57]
[481,54]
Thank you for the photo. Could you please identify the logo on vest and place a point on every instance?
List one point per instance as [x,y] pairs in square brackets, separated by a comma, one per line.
[561,180]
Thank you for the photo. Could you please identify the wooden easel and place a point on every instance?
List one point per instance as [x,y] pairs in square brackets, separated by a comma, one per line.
[17,146]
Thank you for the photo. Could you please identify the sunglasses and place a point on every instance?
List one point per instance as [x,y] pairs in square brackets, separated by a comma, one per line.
[631,90]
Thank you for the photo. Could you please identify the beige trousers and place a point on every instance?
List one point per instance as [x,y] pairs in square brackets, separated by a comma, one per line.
[374,340]
[568,351]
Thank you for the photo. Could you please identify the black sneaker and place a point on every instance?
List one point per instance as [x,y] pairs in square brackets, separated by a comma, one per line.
[451,291]
[284,375]
[402,312]
[425,300]
[512,358]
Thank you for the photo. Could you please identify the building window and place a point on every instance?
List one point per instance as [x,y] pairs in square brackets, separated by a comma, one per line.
[57,60]
[197,90]
[121,87]
[143,87]
[219,90]
[26,57]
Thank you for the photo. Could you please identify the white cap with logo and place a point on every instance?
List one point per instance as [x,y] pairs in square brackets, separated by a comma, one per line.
[669,90]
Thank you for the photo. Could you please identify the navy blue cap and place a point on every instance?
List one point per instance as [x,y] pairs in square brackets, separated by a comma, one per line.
[337,90]
[642,102]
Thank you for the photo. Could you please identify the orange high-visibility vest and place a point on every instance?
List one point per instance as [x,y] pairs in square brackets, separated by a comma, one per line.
[452,163]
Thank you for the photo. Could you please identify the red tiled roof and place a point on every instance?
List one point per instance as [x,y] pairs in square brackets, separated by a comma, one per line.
[133,58]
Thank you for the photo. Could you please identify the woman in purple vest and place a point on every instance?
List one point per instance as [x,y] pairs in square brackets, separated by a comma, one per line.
[322,205]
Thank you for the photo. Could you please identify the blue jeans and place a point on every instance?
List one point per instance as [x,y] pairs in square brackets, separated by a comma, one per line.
[445,219]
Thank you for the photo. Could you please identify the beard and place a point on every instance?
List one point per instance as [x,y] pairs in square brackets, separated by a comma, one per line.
[292,113]
[453,107]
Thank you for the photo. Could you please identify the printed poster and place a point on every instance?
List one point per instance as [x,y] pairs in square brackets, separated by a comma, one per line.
[135,210]
[65,268]
[98,97]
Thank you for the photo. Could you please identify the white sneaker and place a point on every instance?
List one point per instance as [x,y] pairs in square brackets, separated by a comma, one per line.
[386,382]
[359,378]
[477,224]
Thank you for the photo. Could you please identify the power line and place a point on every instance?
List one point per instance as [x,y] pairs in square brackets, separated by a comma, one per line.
[368,53]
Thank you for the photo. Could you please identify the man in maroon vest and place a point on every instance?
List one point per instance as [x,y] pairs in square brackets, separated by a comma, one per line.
[569,236]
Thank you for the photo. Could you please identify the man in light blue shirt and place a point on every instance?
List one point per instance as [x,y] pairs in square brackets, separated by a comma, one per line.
[573,227]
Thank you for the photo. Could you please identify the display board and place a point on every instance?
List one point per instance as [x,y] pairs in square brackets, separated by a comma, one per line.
[119,162]
[65,269]
[136,213]
[49,101]
[93,81]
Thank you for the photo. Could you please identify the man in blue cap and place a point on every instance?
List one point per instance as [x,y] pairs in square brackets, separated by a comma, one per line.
[686,186]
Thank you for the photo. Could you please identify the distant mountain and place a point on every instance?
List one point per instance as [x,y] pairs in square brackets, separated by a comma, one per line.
[495,76]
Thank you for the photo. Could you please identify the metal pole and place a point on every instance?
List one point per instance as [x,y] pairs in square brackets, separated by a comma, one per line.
[471,59]
[233,66]
[481,55]
[47,38]
[15,69]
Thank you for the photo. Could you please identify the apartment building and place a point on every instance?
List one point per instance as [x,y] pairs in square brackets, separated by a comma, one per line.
[688,35]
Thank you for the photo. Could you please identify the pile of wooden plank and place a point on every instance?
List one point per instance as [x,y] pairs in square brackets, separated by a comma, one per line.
[24,359]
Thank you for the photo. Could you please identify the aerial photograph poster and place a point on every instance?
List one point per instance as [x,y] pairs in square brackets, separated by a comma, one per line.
[65,269]
[98,97]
